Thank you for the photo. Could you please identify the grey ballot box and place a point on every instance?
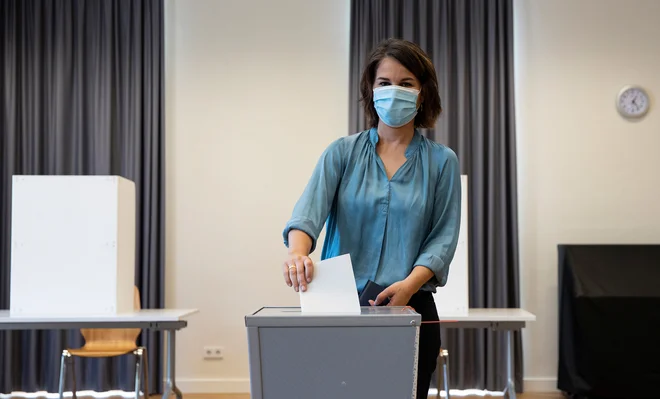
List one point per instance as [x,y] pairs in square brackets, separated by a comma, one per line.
[294,355]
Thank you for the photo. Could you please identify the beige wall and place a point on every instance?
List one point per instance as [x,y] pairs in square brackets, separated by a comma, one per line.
[585,174]
[256,89]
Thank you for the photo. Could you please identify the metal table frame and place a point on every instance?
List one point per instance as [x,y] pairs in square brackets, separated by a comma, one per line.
[501,325]
[65,323]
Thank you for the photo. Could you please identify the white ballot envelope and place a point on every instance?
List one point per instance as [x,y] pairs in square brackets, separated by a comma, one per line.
[332,289]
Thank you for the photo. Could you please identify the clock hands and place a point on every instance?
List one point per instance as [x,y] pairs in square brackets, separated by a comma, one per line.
[632,102]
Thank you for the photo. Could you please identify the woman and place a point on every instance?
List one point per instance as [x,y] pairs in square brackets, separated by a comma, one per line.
[390,196]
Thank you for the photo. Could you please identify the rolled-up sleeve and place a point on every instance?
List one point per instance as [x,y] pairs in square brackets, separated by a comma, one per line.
[440,245]
[312,209]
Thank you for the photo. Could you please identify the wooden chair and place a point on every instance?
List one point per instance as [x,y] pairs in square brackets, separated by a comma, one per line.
[100,342]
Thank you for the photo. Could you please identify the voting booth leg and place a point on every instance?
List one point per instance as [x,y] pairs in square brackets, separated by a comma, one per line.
[67,362]
[170,387]
[510,390]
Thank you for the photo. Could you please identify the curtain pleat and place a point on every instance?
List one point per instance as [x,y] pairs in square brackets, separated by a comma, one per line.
[82,93]
[471,45]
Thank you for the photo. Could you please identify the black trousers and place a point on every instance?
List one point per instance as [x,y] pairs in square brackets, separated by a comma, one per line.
[429,341]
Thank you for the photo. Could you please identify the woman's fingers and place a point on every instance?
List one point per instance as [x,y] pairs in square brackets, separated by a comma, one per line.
[302,281]
[298,272]
[293,274]
[309,270]
[285,271]
[387,293]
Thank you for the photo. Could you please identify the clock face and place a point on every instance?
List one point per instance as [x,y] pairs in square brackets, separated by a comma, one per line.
[633,102]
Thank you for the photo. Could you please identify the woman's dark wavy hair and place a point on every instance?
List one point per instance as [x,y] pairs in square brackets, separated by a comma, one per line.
[414,59]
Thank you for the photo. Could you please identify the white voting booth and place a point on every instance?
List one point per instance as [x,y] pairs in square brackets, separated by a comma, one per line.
[453,298]
[73,245]
[73,264]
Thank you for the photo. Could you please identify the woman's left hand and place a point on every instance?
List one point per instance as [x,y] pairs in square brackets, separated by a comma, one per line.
[399,294]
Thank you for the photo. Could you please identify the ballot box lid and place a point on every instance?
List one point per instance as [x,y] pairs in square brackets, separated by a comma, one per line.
[369,316]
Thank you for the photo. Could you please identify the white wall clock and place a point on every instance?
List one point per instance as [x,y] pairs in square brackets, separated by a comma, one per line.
[633,102]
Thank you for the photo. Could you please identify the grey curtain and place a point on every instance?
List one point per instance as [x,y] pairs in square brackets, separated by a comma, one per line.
[471,45]
[81,92]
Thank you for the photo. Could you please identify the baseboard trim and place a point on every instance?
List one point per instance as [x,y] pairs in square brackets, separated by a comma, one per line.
[540,384]
[242,385]
[213,385]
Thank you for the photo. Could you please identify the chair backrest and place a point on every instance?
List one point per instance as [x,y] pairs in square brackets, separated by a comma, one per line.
[109,338]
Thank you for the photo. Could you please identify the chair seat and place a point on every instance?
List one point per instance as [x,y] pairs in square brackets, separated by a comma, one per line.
[99,351]
[109,342]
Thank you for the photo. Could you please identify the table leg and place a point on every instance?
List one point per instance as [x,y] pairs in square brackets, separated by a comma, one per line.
[510,390]
[170,385]
[438,371]
[445,372]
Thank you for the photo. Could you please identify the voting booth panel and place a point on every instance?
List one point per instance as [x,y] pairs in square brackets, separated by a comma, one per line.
[73,245]
[453,298]
[297,355]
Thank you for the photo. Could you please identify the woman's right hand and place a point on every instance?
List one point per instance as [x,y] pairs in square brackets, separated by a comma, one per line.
[298,271]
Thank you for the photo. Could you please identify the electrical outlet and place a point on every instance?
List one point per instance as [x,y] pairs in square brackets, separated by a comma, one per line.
[213,352]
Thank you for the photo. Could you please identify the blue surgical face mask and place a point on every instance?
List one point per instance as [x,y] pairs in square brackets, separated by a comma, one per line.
[395,105]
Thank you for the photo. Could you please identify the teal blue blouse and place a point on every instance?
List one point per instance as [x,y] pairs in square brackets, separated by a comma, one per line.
[388,226]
